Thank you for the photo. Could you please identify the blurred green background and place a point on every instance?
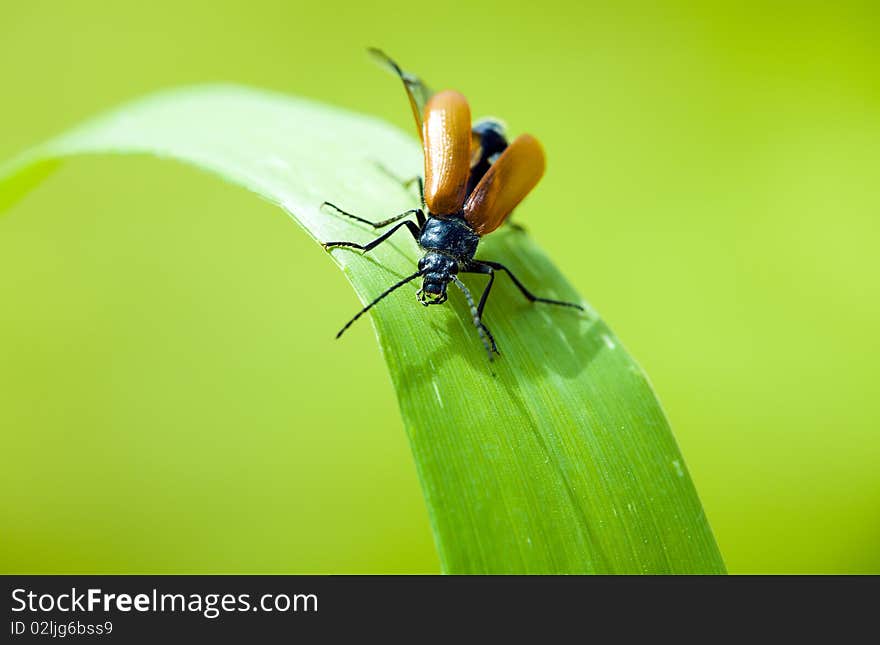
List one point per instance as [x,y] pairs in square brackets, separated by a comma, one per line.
[171,396]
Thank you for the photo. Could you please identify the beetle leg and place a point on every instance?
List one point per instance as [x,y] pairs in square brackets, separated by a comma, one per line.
[485,335]
[489,271]
[484,266]
[385,222]
[491,337]
[421,215]
[413,229]
[406,183]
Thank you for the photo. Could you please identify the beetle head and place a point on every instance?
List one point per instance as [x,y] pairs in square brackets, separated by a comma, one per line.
[437,270]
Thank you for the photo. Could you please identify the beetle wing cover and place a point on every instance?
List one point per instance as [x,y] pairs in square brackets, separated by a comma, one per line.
[416,90]
[447,141]
[506,183]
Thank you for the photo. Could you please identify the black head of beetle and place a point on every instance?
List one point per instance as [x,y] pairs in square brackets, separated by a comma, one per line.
[437,270]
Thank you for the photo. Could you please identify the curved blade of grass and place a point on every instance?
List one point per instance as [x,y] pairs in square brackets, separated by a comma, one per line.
[557,457]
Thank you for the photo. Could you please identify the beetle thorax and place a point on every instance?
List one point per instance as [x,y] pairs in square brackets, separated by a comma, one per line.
[450,235]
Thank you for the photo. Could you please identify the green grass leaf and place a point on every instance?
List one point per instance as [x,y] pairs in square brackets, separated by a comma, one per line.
[557,457]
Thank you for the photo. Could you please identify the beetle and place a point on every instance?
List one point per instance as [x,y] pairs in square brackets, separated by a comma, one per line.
[458,213]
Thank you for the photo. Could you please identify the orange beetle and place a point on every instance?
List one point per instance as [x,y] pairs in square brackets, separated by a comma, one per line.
[467,193]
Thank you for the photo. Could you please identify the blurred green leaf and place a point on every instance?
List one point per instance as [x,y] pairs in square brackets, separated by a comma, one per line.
[557,457]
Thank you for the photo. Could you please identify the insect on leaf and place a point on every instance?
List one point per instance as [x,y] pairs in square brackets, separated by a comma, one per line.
[563,461]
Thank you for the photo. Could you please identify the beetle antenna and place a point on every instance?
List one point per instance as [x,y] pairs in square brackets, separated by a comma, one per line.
[377,299]
[478,323]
